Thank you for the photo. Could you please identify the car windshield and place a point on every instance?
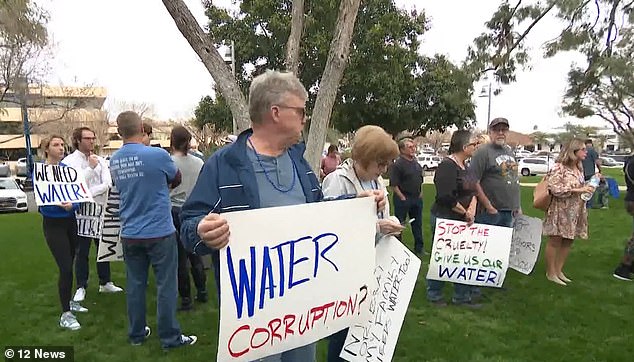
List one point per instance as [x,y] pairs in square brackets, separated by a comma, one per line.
[8,185]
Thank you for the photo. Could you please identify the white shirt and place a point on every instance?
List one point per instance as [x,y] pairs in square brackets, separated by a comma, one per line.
[98,178]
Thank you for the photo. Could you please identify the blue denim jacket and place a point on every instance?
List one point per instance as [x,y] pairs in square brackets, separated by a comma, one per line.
[227,183]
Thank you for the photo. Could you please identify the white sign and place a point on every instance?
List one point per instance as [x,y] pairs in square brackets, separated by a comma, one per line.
[293,275]
[110,243]
[374,336]
[89,218]
[55,184]
[527,239]
[474,255]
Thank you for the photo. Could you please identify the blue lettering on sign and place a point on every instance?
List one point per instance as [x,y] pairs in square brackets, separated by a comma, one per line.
[59,193]
[243,280]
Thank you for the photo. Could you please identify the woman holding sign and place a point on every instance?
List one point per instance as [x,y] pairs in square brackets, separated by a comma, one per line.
[373,150]
[567,217]
[454,201]
[60,232]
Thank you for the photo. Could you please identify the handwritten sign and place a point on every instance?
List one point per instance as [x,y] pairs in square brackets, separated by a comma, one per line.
[110,244]
[374,337]
[89,218]
[293,275]
[474,255]
[55,184]
[527,239]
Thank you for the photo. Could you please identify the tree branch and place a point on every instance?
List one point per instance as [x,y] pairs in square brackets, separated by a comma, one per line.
[202,44]
[611,26]
[294,39]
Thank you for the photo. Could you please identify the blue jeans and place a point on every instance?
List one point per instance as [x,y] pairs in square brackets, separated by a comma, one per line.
[502,218]
[161,254]
[414,208]
[300,354]
[462,292]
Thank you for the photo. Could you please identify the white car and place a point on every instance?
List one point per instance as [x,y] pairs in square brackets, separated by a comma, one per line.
[12,198]
[535,166]
[427,162]
[522,153]
[21,167]
[610,162]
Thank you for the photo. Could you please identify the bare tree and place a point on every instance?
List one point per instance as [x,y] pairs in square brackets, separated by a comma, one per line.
[203,45]
[143,109]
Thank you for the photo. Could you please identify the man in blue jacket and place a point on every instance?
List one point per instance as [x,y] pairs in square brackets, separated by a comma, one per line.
[264,167]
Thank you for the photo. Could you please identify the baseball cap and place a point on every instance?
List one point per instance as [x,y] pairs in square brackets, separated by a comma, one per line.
[499,120]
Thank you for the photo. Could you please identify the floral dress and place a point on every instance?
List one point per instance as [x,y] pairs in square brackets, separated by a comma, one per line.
[567,215]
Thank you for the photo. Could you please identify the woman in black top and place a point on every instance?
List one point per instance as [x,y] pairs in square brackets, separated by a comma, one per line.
[455,201]
[624,270]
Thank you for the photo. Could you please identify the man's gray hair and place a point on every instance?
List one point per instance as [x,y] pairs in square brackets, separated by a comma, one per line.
[269,88]
[129,124]
[403,142]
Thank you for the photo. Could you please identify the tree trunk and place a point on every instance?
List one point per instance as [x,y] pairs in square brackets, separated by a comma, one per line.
[330,80]
[202,44]
[294,39]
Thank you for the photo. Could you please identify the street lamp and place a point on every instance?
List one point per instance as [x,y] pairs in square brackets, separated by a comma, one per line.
[230,57]
[22,87]
[487,94]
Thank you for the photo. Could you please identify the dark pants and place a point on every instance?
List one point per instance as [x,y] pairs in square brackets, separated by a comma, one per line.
[161,254]
[414,208]
[197,267]
[82,265]
[628,255]
[335,345]
[61,237]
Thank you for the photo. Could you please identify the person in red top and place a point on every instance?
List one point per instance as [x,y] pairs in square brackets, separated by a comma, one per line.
[330,162]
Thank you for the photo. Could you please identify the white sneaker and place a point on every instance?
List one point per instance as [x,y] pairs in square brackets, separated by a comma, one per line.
[109,287]
[69,321]
[80,295]
[76,307]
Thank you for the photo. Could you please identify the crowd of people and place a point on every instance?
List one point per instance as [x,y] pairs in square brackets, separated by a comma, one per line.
[172,206]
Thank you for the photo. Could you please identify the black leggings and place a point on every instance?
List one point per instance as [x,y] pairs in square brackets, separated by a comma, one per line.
[61,237]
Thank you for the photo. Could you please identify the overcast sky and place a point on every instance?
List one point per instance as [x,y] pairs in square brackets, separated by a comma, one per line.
[134,49]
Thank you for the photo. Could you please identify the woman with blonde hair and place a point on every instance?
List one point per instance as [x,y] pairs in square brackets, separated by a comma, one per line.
[567,217]
[60,231]
[373,150]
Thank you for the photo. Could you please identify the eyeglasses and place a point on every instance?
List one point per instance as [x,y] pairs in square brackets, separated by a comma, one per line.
[500,130]
[581,149]
[300,110]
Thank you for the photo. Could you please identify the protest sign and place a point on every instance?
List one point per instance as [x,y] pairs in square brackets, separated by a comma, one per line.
[374,336]
[55,184]
[527,239]
[110,243]
[293,275]
[474,255]
[89,219]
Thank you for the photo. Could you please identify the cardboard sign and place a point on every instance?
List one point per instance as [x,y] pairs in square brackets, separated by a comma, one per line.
[527,239]
[293,275]
[55,184]
[474,255]
[374,337]
[89,218]
[110,243]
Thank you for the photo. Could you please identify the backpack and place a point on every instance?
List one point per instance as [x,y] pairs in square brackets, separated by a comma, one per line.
[541,195]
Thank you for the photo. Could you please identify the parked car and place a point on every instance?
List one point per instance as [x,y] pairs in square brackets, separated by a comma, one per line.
[617,158]
[522,153]
[610,162]
[12,198]
[535,165]
[5,169]
[427,162]
[21,167]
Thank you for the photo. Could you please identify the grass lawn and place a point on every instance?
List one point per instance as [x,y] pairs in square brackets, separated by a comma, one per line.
[533,320]
[614,172]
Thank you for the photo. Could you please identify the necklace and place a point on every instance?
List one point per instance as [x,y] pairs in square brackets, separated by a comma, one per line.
[266,174]
[374,185]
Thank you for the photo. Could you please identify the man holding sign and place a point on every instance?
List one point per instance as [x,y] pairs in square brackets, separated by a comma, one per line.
[97,176]
[263,168]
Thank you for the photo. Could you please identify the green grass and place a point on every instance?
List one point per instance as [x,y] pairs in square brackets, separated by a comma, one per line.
[534,320]
[615,173]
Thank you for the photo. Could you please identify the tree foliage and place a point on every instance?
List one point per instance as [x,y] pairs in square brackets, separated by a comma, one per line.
[386,82]
[215,112]
[601,30]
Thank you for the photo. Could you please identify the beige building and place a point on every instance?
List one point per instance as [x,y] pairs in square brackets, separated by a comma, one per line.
[50,110]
